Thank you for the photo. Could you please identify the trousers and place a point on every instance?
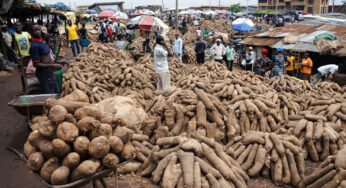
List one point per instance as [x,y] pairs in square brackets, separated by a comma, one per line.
[164,81]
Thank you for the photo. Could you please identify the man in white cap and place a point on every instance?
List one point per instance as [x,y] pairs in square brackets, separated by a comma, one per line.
[250,59]
[325,70]
[218,50]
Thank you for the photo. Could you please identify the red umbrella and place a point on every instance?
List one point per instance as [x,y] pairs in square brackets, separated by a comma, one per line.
[147,23]
[106,14]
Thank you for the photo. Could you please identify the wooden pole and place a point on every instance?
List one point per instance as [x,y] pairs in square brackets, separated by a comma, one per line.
[176,15]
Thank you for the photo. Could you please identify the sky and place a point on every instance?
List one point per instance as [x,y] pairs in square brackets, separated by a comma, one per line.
[167,3]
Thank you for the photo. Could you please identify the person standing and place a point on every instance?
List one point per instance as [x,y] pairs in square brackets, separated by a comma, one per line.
[84,37]
[263,63]
[279,67]
[250,58]
[200,47]
[218,50]
[307,64]
[20,42]
[184,24]
[41,58]
[178,47]
[199,32]
[324,71]
[161,52]
[72,33]
[205,32]
[290,64]
[119,31]
[230,53]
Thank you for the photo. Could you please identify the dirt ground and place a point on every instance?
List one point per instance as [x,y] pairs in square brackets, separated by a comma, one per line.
[14,131]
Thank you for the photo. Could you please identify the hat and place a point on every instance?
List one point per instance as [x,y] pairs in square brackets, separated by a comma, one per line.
[264,51]
[250,48]
[218,40]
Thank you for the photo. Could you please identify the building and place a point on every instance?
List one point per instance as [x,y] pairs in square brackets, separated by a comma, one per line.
[309,6]
[153,8]
[118,6]
[337,6]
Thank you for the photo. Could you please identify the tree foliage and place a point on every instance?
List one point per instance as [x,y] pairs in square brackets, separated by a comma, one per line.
[235,8]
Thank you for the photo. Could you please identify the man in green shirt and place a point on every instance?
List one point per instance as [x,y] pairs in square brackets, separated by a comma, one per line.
[230,53]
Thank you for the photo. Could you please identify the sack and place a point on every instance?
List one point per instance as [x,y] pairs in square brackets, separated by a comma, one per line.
[243,62]
[124,108]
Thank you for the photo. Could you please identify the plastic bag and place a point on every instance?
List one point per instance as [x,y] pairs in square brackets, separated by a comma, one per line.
[30,69]
[124,108]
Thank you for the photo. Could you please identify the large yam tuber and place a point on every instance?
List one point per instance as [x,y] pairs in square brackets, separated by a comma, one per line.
[197,182]
[187,165]
[35,161]
[99,147]
[213,181]
[57,114]
[48,168]
[67,132]
[60,175]
[60,147]
[161,166]
[88,111]
[259,161]
[110,161]
[116,144]
[81,145]
[85,169]
[71,160]
[171,174]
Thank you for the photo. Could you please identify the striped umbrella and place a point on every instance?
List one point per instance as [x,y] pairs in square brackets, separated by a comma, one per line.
[119,16]
[147,23]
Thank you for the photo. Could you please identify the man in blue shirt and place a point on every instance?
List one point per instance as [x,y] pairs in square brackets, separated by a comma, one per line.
[178,47]
[40,56]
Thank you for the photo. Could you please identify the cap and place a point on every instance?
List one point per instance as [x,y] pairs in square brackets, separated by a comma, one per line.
[250,48]
[218,40]
[279,50]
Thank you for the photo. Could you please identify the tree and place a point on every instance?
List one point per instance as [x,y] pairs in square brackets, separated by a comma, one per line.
[235,8]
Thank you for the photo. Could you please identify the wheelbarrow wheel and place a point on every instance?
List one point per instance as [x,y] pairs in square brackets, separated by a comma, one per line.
[32,90]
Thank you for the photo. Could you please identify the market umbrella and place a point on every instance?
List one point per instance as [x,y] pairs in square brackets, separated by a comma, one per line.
[242,27]
[147,23]
[110,9]
[209,12]
[106,14]
[221,12]
[243,20]
[183,13]
[61,4]
[91,11]
[119,16]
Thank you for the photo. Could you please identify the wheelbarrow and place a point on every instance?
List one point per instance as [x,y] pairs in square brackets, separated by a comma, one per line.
[81,182]
[30,105]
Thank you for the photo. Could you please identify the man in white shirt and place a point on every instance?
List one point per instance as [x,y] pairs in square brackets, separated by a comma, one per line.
[218,50]
[178,47]
[161,52]
[199,32]
[325,70]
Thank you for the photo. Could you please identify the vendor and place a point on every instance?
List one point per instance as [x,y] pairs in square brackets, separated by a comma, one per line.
[218,50]
[279,66]
[290,64]
[325,71]
[263,63]
[40,55]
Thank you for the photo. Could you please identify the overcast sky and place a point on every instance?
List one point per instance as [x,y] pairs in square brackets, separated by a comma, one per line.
[167,3]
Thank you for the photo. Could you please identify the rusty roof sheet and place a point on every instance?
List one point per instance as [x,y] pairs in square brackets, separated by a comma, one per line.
[260,41]
[306,34]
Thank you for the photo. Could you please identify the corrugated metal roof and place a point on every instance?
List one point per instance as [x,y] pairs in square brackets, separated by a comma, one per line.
[306,33]
[260,41]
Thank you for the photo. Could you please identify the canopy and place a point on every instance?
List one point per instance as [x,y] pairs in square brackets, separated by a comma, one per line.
[209,12]
[147,23]
[183,13]
[243,20]
[221,12]
[144,12]
[106,14]
[242,27]
[119,16]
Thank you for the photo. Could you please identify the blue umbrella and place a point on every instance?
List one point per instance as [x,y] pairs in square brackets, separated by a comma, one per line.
[109,9]
[242,27]
[91,11]
[61,4]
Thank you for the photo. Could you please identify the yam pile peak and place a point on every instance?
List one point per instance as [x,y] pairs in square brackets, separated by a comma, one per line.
[211,128]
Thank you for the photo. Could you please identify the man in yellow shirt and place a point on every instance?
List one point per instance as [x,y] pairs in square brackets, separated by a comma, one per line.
[306,67]
[73,37]
[290,62]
